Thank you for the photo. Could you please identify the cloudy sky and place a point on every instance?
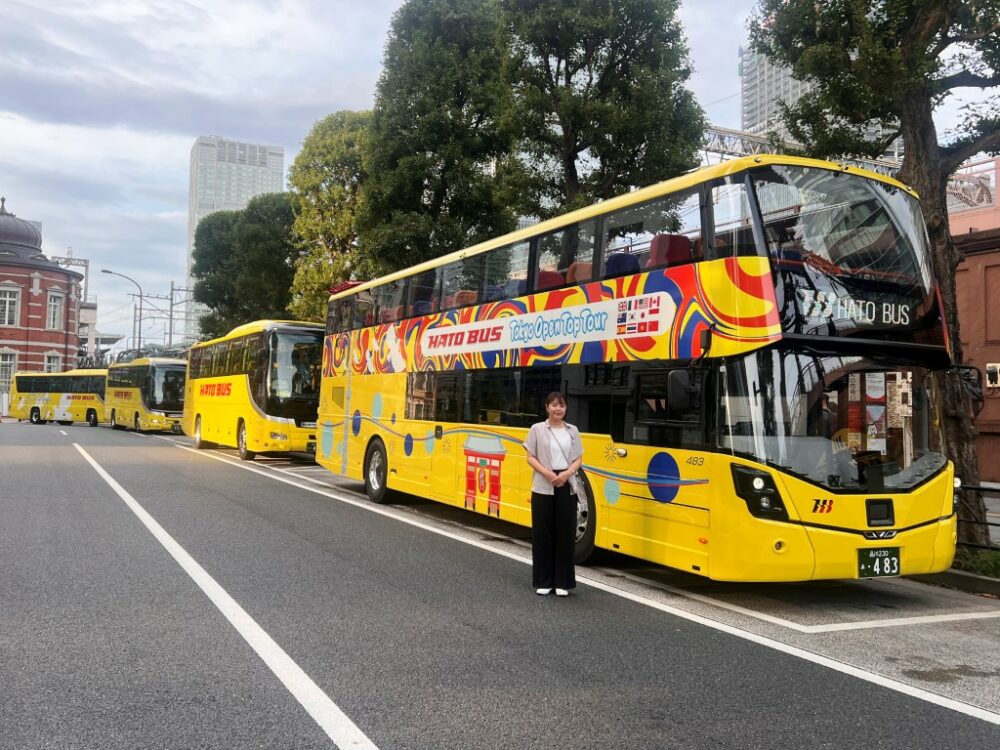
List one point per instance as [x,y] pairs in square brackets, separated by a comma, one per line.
[101,100]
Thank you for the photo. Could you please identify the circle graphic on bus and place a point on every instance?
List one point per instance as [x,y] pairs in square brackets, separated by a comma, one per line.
[356,422]
[612,491]
[663,477]
[429,443]
[377,406]
[326,439]
[408,445]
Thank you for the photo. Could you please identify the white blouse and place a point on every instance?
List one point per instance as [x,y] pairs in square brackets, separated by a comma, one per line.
[559,445]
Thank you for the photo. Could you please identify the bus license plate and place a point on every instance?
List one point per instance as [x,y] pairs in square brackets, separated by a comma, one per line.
[875,563]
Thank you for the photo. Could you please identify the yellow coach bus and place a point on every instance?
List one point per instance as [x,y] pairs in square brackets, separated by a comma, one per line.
[256,389]
[751,351]
[65,397]
[146,394]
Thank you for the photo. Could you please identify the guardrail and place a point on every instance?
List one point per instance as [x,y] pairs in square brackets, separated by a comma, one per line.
[989,492]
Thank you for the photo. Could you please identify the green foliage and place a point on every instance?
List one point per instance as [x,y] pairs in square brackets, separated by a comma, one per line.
[326,180]
[600,103]
[984,562]
[242,263]
[885,61]
[438,157]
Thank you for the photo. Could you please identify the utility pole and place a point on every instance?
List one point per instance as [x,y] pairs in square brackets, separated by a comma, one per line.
[173,290]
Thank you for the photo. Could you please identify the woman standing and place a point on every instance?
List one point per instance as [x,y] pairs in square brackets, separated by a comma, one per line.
[555,453]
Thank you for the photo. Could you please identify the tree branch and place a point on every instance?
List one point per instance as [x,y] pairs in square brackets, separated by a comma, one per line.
[953,158]
[966,78]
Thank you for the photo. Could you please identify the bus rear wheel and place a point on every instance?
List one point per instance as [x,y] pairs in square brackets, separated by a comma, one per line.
[138,427]
[241,443]
[376,472]
[586,523]
[92,418]
[35,417]
[114,421]
[199,444]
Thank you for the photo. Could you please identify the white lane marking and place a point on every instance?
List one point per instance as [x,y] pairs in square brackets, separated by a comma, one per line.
[810,629]
[801,653]
[62,432]
[324,711]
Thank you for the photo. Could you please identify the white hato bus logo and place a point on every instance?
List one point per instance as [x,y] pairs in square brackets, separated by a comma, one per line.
[629,317]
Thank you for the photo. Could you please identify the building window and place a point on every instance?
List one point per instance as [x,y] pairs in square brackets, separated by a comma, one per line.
[53,363]
[7,366]
[54,318]
[8,307]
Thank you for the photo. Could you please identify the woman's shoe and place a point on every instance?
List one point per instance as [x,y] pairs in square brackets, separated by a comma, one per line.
[543,592]
[562,592]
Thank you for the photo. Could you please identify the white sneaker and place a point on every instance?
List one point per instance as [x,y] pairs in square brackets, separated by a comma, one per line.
[543,592]
[562,592]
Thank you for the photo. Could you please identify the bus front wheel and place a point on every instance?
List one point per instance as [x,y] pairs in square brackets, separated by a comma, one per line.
[92,418]
[376,472]
[138,427]
[36,416]
[241,443]
[198,442]
[586,523]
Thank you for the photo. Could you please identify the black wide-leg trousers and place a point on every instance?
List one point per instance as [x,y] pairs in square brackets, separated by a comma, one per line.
[553,523]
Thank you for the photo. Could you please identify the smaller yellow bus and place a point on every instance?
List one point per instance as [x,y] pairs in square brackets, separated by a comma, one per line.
[146,394]
[256,389]
[63,397]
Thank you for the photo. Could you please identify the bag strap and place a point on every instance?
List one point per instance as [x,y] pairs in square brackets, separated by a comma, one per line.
[561,449]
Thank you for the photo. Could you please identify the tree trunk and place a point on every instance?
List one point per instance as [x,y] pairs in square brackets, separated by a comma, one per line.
[922,170]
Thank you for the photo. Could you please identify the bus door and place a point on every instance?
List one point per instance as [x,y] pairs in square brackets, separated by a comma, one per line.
[452,391]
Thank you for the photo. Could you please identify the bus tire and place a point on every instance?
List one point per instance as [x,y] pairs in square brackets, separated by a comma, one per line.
[92,417]
[138,426]
[376,472]
[35,417]
[200,444]
[241,443]
[114,421]
[586,523]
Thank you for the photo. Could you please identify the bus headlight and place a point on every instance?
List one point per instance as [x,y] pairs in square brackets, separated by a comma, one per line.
[757,489]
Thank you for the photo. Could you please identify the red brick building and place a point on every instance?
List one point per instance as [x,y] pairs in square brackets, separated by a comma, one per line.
[975,226]
[39,305]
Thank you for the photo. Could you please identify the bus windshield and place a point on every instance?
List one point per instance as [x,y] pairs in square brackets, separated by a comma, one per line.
[848,423]
[166,391]
[850,255]
[295,366]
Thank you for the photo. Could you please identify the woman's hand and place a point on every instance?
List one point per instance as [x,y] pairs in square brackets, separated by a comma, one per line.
[558,480]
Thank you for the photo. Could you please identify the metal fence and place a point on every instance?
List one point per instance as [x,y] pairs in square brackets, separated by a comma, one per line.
[992,497]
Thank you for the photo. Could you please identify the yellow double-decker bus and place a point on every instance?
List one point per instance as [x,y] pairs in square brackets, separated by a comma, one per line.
[146,394]
[64,397]
[751,351]
[256,389]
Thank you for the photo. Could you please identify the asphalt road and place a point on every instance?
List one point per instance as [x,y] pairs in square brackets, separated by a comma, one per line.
[404,638]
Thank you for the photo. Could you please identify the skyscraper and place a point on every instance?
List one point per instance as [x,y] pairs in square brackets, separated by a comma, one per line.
[765,84]
[225,175]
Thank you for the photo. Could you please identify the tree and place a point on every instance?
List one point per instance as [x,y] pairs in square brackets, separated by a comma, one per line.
[894,62]
[326,180]
[438,155]
[243,263]
[599,97]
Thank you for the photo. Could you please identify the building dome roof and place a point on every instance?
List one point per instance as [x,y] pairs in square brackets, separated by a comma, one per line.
[17,232]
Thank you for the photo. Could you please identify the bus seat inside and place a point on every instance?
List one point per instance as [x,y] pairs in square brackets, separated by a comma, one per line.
[579,272]
[669,250]
[619,264]
[549,280]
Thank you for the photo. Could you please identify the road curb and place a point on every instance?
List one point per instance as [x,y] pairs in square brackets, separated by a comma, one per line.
[959,579]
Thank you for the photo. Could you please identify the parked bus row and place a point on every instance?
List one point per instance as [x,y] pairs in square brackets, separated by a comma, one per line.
[751,351]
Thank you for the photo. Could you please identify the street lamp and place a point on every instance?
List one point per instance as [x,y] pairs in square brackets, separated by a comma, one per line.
[137,338]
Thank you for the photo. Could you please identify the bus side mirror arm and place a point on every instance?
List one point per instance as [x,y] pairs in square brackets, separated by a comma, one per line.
[972,382]
[705,340]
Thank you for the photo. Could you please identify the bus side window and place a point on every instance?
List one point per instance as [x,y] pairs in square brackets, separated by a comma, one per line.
[421,299]
[566,256]
[659,234]
[669,408]
[732,221]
